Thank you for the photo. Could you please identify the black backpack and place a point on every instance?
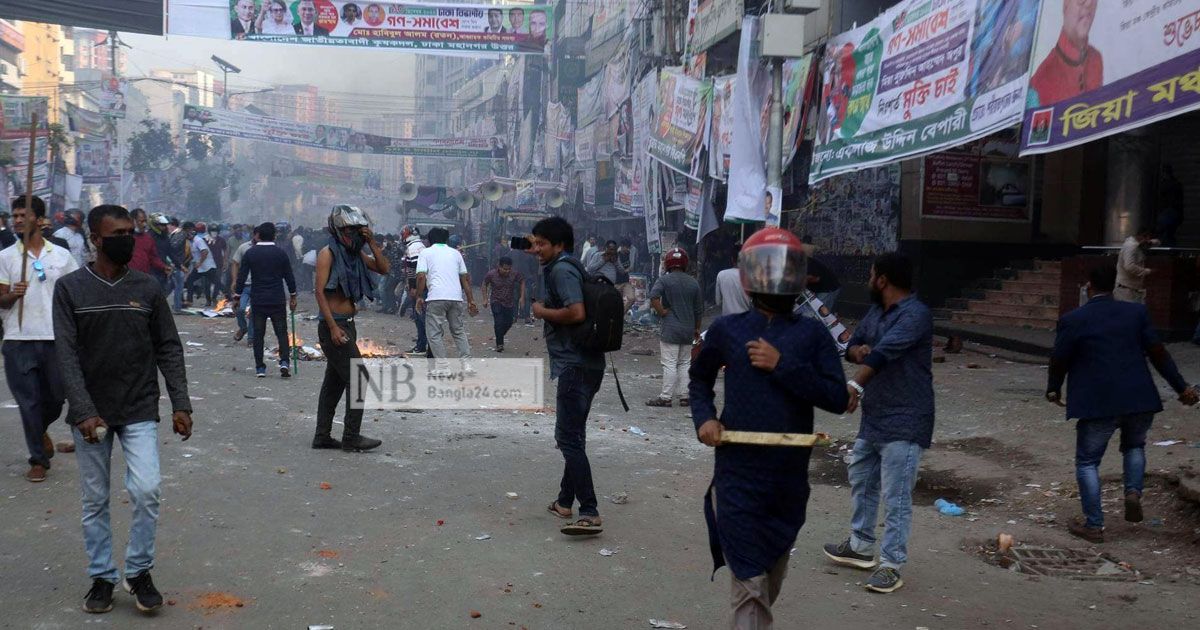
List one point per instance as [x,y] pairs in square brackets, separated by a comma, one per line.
[604,313]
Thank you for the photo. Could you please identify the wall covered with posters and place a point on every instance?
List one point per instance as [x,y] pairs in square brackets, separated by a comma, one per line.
[856,214]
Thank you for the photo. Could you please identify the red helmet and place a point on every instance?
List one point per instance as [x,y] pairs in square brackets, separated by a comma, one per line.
[675,258]
[201,228]
[773,262]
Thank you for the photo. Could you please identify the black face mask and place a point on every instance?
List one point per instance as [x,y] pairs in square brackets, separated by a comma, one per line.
[356,243]
[775,304]
[118,249]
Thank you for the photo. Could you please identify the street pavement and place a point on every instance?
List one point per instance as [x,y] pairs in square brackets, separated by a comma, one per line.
[259,531]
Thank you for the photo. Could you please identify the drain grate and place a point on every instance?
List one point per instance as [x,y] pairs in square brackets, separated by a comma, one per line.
[1073,564]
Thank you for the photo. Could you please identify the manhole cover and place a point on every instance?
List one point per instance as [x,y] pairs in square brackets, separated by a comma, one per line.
[1073,564]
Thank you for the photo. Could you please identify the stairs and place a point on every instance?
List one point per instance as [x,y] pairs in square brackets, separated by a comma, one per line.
[1021,298]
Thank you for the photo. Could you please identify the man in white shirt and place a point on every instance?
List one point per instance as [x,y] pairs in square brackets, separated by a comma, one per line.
[30,364]
[731,297]
[202,264]
[1131,267]
[72,233]
[441,271]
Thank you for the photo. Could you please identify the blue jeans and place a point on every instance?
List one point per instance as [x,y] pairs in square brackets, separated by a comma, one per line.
[244,323]
[892,468]
[422,338]
[1091,439]
[139,442]
[577,387]
[177,282]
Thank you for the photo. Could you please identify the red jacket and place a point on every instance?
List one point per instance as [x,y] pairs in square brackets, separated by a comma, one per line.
[145,256]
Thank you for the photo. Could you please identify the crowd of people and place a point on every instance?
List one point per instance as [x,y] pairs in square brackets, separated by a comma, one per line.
[88,323]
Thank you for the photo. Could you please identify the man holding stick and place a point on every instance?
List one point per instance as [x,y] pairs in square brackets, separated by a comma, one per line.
[778,367]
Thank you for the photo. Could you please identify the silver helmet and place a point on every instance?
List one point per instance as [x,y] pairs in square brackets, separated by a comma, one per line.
[347,216]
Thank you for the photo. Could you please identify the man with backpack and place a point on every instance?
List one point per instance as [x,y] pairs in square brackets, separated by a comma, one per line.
[579,370]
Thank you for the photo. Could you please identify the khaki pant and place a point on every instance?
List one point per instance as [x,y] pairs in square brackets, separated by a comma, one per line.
[752,599]
[1125,294]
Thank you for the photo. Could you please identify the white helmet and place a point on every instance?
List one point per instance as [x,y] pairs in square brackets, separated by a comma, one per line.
[347,216]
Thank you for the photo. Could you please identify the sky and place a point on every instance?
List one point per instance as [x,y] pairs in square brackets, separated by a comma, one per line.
[382,72]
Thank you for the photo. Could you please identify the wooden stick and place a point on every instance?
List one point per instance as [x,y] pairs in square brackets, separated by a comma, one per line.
[30,219]
[760,438]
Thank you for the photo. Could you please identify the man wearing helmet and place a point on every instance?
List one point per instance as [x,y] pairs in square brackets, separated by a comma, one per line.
[413,246]
[676,298]
[778,367]
[343,280]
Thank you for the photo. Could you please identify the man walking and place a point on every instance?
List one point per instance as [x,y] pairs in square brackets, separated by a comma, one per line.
[180,254]
[242,303]
[894,347]
[676,298]
[30,364]
[778,367]
[579,373]
[503,289]
[604,262]
[413,246]
[146,258]
[271,269]
[1131,267]
[342,282]
[442,285]
[1101,349]
[115,334]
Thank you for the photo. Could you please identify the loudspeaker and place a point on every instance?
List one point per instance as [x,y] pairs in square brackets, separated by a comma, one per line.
[408,191]
[554,198]
[492,191]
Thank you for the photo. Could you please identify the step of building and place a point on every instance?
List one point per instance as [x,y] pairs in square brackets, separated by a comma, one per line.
[1046,265]
[1030,287]
[1028,299]
[1000,320]
[1043,312]
[1044,275]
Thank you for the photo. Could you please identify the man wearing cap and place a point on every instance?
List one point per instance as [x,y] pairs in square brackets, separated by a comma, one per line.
[676,298]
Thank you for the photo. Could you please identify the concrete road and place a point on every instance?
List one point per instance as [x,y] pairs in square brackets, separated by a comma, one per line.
[249,539]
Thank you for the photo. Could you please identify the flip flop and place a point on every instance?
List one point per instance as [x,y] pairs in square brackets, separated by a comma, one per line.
[582,527]
[553,509]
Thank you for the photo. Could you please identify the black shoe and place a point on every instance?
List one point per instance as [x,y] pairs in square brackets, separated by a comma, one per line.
[500,348]
[358,443]
[285,371]
[325,441]
[884,580]
[99,599]
[1133,507]
[144,594]
[841,553]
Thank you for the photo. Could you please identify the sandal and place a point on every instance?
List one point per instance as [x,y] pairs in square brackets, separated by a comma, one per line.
[586,526]
[658,402]
[554,508]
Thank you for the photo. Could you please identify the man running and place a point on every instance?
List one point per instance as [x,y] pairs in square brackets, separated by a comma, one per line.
[343,280]
[500,291]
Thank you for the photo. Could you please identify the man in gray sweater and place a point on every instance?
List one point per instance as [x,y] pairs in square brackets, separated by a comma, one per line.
[114,333]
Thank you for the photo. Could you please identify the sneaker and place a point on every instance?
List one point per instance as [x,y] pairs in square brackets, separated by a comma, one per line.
[325,441]
[842,553]
[658,402]
[285,371]
[500,347]
[100,598]
[1080,529]
[144,594]
[884,580]
[1133,507]
[358,443]
[36,474]
[260,372]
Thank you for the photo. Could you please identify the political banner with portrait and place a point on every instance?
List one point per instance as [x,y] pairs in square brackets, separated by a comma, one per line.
[329,174]
[1100,68]
[642,116]
[232,124]
[112,96]
[424,27]
[923,76]
[681,119]
[93,161]
[16,116]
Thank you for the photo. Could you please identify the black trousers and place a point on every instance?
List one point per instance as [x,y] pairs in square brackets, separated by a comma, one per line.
[502,321]
[277,313]
[31,368]
[337,381]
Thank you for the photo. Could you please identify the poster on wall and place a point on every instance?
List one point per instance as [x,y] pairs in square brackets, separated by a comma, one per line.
[642,115]
[923,76]
[590,103]
[1100,68]
[681,117]
[856,214]
[112,96]
[983,180]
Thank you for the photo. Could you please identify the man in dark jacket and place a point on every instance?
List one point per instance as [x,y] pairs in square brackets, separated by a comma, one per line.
[1101,349]
[271,269]
[114,334]
[778,367]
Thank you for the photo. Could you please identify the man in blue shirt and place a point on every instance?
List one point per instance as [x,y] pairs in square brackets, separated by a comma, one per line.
[778,367]
[894,347]
[579,373]
[1101,348]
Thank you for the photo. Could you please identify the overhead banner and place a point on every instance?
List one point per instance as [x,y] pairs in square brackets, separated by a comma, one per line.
[923,76]
[89,123]
[16,116]
[231,124]
[332,174]
[520,29]
[1105,67]
[681,108]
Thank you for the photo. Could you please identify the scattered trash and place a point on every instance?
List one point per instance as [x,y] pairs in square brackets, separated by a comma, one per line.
[187,455]
[637,431]
[441,522]
[1004,542]
[972,366]
[1168,442]
[661,623]
[194,344]
[483,537]
[607,553]
[281,471]
[620,498]
[475,614]
[1042,519]
[320,628]
[511,495]
[948,508]
[325,485]
[1156,522]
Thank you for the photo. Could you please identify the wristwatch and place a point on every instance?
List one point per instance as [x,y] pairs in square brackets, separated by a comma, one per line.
[855,386]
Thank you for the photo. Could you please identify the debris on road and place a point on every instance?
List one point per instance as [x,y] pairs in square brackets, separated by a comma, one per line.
[608,553]
[637,431]
[1168,442]
[947,508]
[325,485]
[511,495]
[483,537]
[660,623]
[620,498]
[475,614]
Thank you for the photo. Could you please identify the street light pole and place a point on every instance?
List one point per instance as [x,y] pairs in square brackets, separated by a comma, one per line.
[775,137]
[226,68]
